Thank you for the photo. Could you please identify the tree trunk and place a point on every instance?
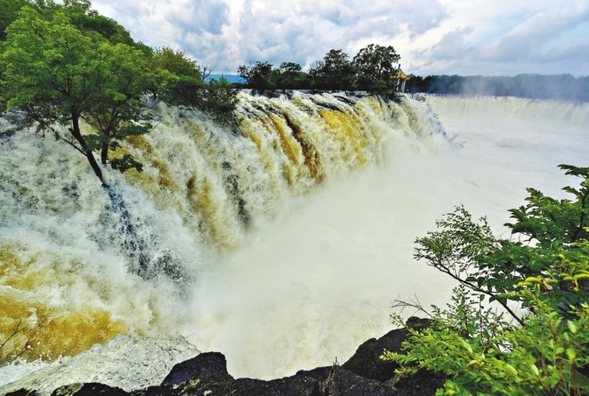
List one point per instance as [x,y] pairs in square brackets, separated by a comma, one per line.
[104,153]
[75,131]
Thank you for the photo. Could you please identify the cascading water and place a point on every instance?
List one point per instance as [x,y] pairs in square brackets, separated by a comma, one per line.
[80,265]
[295,231]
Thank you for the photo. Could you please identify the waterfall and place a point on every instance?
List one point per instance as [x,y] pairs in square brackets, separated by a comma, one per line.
[538,111]
[294,231]
[79,265]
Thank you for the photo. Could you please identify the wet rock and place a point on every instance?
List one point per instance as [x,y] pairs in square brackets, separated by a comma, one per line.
[90,389]
[205,364]
[346,383]
[23,392]
[363,374]
[366,362]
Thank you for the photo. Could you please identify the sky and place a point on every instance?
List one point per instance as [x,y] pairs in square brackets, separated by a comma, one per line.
[465,37]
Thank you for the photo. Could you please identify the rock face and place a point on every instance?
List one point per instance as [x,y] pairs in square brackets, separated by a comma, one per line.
[205,364]
[363,374]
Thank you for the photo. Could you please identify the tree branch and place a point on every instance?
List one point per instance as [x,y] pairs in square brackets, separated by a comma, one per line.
[17,330]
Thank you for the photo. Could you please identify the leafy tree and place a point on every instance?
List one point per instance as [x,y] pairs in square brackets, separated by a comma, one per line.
[315,72]
[547,228]
[376,64]
[483,355]
[178,79]
[258,77]
[8,14]
[545,269]
[338,71]
[219,101]
[289,76]
[57,74]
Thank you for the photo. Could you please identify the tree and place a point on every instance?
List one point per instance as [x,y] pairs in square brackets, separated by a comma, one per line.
[219,101]
[9,13]
[59,74]
[338,71]
[315,72]
[376,62]
[289,76]
[545,269]
[258,77]
[178,78]
[180,81]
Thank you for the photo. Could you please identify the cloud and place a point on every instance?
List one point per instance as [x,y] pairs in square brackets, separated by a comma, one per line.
[449,36]
[198,16]
[453,45]
[546,38]
[531,37]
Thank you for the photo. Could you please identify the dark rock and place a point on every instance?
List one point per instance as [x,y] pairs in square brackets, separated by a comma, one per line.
[346,383]
[289,386]
[204,385]
[363,374]
[208,363]
[366,362]
[23,392]
[419,384]
[90,389]
[320,374]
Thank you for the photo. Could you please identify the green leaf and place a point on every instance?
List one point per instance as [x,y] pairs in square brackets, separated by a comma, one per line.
[571,354]
[572,327]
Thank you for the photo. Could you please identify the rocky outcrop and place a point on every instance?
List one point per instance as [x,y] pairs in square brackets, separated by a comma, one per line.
[363,374]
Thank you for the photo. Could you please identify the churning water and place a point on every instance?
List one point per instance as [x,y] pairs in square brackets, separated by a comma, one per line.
[280,244]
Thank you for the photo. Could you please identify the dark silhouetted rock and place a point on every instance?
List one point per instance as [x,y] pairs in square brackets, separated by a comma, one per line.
[208,363]
[366,362]
[90,389]
[289,386]
[345,383]
[422,383]
[23,392]
[364,374]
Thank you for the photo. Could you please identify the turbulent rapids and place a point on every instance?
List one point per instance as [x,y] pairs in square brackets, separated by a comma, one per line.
[280,243]
[77,270]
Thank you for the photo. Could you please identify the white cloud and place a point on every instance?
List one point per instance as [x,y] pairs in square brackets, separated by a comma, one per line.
[436,36]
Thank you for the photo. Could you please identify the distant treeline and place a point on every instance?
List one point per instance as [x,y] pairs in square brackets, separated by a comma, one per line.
[534,86]
[373,69]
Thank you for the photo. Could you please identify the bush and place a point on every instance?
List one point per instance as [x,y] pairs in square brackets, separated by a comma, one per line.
[545,270]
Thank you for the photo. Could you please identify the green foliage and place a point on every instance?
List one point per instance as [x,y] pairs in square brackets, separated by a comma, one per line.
[8,14]
[545,270]
[376,64]
[57,73]
[180,81]
[338,72]
[258,77]
[370,70]
[289,76]
[467,251]
[219,101]
[65,63]
[541,358]
[548,231]
[546,220]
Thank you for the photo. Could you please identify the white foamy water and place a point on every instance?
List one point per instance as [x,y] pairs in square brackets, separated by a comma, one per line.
[334,196]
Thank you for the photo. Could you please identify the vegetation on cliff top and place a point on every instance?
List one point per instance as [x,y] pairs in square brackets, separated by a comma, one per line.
[371,70]
[543,269]
[65,63]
